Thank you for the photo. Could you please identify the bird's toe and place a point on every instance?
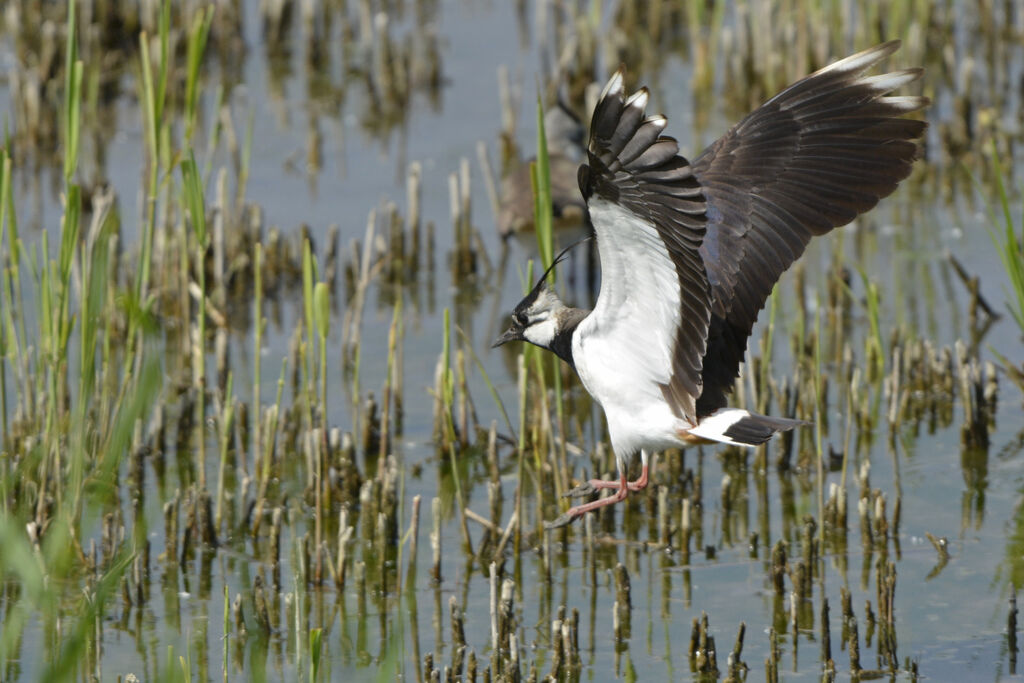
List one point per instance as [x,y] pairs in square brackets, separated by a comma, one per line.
[584,489]
[563,520]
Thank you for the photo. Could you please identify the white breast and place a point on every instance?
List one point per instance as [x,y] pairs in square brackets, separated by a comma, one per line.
[623,349]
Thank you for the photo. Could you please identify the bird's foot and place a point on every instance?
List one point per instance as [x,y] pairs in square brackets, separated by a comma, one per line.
[565,519]
[584,489]
[593,486]
[622,488]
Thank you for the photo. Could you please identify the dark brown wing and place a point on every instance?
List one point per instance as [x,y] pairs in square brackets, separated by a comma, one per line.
[814,157]
[648,214]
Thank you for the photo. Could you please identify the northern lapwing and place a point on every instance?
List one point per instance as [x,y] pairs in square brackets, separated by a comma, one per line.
[690,251]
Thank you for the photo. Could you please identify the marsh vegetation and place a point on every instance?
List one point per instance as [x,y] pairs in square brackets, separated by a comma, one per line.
[251,423]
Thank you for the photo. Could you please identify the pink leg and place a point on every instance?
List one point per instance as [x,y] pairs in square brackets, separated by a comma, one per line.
[622,487]
[595,485]
[641,483]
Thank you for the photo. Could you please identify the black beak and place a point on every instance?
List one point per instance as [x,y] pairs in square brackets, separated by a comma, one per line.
[513,333]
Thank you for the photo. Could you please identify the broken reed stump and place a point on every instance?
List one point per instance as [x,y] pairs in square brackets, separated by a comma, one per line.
[703,657]
[623,603]
[737,667]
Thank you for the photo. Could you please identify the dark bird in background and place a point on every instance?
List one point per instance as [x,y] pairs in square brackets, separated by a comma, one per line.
[690,251]
[565,139]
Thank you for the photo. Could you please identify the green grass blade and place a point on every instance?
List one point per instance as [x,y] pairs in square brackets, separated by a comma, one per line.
[1010,247]
[196,45]
[194,198]
[540,178]
[72,96]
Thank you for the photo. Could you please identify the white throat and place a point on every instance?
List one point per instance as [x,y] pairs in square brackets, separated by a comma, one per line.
[542,333]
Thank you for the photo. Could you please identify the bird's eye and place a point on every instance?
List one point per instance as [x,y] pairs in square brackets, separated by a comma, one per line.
[520,319]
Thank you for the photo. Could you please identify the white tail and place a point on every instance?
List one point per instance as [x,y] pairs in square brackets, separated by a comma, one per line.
[741,427]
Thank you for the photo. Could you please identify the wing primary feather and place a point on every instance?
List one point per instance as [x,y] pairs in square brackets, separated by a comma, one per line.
[812,158]
[633,167]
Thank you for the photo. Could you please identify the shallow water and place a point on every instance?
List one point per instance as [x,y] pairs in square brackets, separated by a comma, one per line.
[951,623]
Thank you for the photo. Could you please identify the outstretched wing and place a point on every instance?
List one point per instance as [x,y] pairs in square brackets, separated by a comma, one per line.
[648,214]
[812,158]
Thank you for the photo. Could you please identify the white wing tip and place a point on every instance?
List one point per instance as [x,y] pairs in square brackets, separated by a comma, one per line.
[639,99]
[884,83]
[904,104]
[614,85]
[862,60]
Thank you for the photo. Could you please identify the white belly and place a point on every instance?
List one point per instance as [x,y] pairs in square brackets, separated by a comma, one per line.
[623,350]
[638,416]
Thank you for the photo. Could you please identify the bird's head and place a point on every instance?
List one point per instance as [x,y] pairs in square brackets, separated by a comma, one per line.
[541,318]
[536,318]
